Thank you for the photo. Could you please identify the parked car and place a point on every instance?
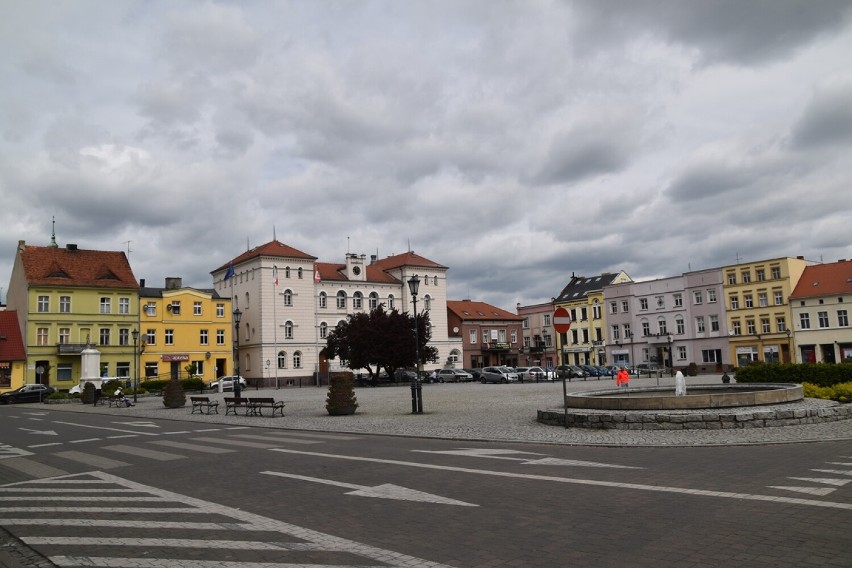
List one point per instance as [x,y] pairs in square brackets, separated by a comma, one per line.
[497,375]
[590,371]
[604,371]
[104,380]
[647,368]
[404,376]
[475,373]
[454,376]
[27,393]
[569,372]
[532,374]
[227,383]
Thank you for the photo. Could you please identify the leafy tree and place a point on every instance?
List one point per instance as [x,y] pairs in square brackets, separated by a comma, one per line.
[380,340]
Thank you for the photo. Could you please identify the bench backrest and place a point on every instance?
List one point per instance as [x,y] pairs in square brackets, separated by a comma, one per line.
[235,400]
[263,400]
[199,399]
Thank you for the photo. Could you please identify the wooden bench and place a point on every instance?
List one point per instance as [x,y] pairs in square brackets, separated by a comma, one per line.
[232,403]
[203,405]
[256,406]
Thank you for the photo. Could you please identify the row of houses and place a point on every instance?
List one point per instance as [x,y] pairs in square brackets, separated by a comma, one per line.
[775,310]
[62,300]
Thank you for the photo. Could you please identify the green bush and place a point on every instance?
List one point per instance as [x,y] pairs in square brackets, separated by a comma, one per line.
[59,395]
[840,392]
[157,385]
[820,374]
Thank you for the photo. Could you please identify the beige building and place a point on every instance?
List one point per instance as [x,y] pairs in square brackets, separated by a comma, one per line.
[820,305]
[758,309]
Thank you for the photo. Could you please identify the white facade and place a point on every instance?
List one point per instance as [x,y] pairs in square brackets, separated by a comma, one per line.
[283,325]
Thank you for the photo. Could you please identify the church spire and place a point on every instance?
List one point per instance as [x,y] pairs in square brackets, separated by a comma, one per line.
[53,234]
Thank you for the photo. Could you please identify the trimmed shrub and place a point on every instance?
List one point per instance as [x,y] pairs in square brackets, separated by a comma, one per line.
[341,395]
[173,395]
[820,374]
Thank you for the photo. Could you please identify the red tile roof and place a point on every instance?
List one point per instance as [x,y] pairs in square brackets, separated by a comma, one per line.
[406,259]
[52,266]
[272,248]
[11,344]
[468,310]
[825,280]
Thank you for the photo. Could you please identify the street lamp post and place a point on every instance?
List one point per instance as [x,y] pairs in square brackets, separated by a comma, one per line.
[671,358]
[135,334]
[237,316]
[789,345]
[416,387]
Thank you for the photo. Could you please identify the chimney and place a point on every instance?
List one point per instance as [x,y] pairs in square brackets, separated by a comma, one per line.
[22,246]
[71,247]
[373,259]
[173,283]
[141,282]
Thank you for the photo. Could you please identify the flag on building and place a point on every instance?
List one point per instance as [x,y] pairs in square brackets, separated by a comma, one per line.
[275,275]
[317,278]
[229,273]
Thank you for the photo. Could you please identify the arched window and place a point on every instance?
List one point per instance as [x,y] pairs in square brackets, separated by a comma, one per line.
[282,359]
[435,281]
[427,302]
[299,273]
[454,356]
[341,300]
[357,300]
[247,300]
[374,301]
[288,330]
[681,328]
[323,330]
[646,327]
[297,360]
[323,300]
[287,272]
[247,366]
[288,297]
[425,279]
[390,302]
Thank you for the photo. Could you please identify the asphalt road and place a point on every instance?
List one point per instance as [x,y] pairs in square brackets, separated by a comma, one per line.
[112,489]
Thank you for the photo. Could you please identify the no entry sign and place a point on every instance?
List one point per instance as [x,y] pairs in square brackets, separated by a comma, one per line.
[561,320]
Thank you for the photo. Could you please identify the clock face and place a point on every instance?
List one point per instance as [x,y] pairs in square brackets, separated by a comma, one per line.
[356,270]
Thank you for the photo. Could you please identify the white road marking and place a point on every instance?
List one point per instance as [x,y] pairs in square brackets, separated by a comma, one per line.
[821,491]
[32,468]
[45,432]
[193,447]
[276,439]
[384,491]
[594,482]
[238,522]
[139,424]
[91,460]
[137,451]
[834,471]
[105,428]
[826,480]
[84,441]
[45,445]
[840,463]
[503,455]
[7,452]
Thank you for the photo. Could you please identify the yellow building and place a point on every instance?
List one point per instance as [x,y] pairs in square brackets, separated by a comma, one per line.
[758,308]
[180,327]
[67,299]
[583,297]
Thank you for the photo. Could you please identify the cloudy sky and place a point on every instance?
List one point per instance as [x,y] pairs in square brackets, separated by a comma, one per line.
[514,142]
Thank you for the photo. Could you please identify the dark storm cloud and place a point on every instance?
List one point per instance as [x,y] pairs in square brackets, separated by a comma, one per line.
[827,120]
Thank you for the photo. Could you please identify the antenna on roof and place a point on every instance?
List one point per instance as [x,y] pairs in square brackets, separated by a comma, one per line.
[347,245]
[128,249]
[738,257]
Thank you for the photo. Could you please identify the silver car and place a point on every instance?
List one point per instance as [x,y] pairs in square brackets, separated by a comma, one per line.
[454,376]
[497,375]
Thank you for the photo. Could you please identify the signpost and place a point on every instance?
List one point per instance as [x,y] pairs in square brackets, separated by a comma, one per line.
[561,320]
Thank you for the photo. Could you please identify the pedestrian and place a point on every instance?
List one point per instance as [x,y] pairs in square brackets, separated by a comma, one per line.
[680,384]
[622,378]
[726,378]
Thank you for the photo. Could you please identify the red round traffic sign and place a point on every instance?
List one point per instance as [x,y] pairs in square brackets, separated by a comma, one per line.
[561,320]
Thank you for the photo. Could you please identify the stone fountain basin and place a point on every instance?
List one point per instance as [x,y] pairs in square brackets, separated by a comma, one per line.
[697,397]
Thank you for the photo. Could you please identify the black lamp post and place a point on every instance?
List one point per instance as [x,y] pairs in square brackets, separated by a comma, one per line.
[135,334]
[789,345]
[628,335]
[416,387]
[237,316]
[671,359]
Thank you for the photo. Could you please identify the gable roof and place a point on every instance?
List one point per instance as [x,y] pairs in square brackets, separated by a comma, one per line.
[73,267]
[580,286]
[11,343]
[406,259]
[272,248]
[824,280]
[472,311]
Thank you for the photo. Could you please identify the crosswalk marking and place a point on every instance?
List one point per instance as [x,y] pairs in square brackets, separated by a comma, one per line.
[193,447]
[92,460]
[277,439]
[281,550]
[137,451]
[242,443]
[32,468]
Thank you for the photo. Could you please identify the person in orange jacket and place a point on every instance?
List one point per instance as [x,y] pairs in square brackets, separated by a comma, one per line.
[622,378]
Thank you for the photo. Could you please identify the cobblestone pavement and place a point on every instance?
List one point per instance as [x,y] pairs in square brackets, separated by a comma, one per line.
[473,411]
